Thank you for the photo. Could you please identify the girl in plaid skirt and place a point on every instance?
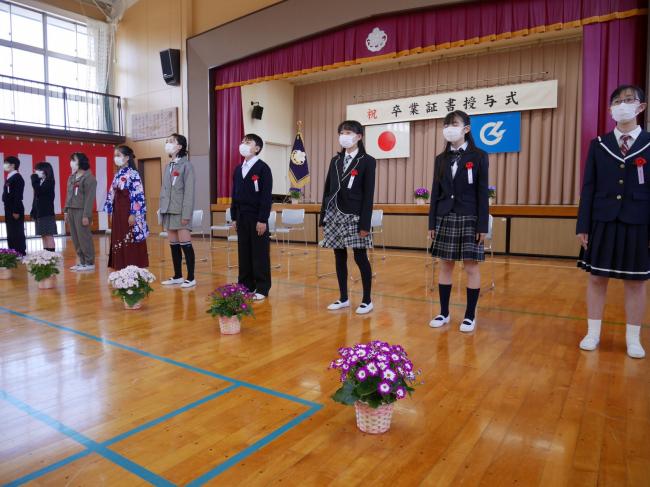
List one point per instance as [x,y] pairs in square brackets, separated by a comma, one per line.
[347,210]
[458,215]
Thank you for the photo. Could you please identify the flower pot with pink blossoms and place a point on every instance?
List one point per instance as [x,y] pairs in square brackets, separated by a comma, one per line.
[231,302]
[9,259]
[374,376]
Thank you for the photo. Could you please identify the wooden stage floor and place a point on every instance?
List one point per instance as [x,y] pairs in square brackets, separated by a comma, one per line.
[93,395]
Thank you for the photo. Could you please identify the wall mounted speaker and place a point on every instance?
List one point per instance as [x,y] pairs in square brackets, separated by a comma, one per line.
[170,62]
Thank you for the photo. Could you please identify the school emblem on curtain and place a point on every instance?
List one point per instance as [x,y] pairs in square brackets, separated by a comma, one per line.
[376,40]
[298,166]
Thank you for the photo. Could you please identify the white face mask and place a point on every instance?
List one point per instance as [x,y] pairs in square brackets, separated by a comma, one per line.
[453,134]
[347,140]
[74,165]
[170,148]
[6,166]
[40,174]
[245,150]
[625,111]
[119,161]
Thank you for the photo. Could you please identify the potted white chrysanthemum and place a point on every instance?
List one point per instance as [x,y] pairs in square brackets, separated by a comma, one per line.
[131,284]
[43,265]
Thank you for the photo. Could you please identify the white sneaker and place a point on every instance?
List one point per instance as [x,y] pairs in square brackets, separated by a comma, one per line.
[87,268]
[632,339]
[467,325]
[589,343]
[259,297]
[339,305]
[364,308]
[187,284]
[439,321]
[76,267]
[172,281]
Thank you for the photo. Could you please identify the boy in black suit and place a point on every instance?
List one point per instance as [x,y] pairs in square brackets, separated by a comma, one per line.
[614,218]
[250,209]
[12,198]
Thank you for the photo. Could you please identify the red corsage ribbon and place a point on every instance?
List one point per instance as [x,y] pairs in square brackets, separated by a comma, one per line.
[469,165]
[255,177]
[354,172]
[640,161]
[176,174]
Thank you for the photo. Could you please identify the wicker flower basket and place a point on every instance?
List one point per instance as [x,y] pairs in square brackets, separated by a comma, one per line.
[229,326]
[371,420]
[47,283]
[5,273]
[420,201]
[137,305]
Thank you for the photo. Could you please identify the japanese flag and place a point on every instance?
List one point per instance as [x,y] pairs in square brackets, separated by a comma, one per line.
[388,141]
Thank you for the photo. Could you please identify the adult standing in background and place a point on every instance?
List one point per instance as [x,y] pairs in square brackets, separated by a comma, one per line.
[176,209]
[42,213]
[12,198]
[78,210]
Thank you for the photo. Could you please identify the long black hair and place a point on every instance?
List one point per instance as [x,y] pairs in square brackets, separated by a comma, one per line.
[127,152]
[182,141]
[469,138]
[357,128]
[46,167]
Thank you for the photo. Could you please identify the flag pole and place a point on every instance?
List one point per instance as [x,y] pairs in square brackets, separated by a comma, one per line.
[300,125]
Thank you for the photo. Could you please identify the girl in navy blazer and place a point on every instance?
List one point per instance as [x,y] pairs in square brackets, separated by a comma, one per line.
[43,183]
[346,211]
[458,215]
[614,216]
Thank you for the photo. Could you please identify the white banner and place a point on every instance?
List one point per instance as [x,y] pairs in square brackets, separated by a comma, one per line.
[497,99]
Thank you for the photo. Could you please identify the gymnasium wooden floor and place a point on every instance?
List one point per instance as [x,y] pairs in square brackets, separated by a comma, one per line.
[94,395]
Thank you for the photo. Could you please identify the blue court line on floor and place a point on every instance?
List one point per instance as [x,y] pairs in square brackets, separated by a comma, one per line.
[160,358]
[124,462]
[91,445]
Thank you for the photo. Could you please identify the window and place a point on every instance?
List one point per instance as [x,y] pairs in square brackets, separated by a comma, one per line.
[41,47]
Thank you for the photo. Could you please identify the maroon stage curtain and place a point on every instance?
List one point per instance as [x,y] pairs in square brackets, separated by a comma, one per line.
[605,22]
[230,131]
[613,53]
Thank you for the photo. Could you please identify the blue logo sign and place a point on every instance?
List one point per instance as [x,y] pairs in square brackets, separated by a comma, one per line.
[497,132]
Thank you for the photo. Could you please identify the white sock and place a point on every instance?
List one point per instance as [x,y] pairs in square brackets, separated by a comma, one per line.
[633,341]
[591,340]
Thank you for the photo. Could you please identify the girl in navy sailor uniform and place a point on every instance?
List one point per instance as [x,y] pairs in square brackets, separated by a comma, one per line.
[458,215]
[614,217]
[346,211]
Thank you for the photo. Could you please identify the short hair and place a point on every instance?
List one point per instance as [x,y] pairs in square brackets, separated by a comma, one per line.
[13,160]
[182,141]
[351,125]
[637,91]
[255,138]
[82,159]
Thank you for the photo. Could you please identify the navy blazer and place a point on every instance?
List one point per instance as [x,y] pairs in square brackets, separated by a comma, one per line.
[610,188]
[357,200]
[457,195]
[247,201]
[43,204]
[12,195]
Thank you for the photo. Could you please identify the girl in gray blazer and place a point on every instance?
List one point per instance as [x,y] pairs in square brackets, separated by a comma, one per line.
[176,209]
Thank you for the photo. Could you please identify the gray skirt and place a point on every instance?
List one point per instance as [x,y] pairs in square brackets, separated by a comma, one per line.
[342,231]
[173,222]
[46,225]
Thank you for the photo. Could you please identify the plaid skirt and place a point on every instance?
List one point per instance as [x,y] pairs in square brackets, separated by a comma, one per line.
[342,231]
[455,239]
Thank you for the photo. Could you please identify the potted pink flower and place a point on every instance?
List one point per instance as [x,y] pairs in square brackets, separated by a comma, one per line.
[374,376]
[9,259]
[421,196]
[230,303]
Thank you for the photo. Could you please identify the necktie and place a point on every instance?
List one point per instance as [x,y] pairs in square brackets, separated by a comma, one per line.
[624,147]
[346,163]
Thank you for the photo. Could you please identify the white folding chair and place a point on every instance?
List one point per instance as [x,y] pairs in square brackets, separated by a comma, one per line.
[197,223]
[272,230]
[226,227]
[230,239]
[489,247]
[319,246]
[292,221]
[377,228]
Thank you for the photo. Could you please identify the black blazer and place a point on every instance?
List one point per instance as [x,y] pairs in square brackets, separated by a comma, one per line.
[457,195]
[610,188]
[247,201]
[357,200]
[43,204]
[12,195]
